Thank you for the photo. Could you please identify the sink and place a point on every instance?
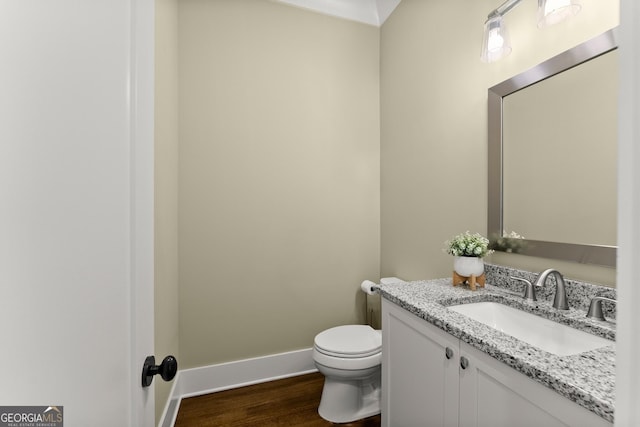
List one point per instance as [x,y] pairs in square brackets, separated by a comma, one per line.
[543,333]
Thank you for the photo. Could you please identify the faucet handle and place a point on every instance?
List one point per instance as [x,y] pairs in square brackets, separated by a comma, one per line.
[529,289]
[595,307]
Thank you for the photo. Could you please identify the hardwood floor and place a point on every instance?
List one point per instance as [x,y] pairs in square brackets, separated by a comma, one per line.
[288,402]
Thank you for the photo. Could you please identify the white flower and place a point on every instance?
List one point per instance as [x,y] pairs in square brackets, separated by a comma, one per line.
[467,244]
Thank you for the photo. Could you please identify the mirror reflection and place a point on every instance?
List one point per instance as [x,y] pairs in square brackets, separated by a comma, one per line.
[552,157]
[559,156]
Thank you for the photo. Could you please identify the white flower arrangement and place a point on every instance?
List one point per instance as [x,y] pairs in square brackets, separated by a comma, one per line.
[469,245]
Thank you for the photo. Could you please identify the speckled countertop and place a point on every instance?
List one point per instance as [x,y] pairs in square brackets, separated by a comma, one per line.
[587,378]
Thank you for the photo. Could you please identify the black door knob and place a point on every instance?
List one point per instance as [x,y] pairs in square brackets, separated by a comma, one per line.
[167,369]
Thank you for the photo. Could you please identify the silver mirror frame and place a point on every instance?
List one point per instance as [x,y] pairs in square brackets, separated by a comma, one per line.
[585,254]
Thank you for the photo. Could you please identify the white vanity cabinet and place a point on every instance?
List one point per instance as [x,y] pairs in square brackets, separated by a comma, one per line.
[424,383]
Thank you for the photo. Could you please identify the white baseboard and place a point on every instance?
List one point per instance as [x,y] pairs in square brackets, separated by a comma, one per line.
[225,376]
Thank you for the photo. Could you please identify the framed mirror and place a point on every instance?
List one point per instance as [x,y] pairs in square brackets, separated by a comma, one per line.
[552,157]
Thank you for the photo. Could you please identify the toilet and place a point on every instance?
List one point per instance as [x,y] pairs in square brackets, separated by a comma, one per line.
[350,358]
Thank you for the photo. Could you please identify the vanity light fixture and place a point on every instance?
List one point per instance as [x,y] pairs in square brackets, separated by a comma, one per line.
[553,11]
[496,44]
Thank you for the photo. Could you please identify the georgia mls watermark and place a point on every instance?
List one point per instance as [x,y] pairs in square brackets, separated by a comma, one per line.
[31,416]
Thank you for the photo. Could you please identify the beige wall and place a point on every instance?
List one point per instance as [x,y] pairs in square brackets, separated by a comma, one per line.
[433,124]
[166,191]
[278,176]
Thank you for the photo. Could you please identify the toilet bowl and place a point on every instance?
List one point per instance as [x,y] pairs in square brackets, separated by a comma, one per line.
[349,357]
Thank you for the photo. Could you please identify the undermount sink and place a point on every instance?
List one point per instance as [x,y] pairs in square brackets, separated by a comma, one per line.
[543,333]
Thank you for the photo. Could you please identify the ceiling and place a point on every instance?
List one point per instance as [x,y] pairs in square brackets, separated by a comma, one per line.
[372,12]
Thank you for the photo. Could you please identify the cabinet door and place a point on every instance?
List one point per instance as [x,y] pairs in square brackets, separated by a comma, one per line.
[419,381]
[494,395]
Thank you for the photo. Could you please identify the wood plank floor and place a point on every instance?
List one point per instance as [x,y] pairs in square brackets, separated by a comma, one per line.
[288,402]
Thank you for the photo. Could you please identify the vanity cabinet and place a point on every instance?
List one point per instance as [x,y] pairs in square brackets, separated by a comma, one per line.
[430,378]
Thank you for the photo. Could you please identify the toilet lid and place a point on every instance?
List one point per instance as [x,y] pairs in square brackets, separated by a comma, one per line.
[349,341]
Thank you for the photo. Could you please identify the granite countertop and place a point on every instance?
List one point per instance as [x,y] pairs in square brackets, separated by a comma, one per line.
[587,378]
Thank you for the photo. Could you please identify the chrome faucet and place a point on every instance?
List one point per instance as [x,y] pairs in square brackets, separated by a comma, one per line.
[560,299]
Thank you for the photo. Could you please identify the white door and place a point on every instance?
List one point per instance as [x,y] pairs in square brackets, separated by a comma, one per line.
[76,208]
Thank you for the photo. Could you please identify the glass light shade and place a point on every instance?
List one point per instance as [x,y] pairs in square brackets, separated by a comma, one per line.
[551,12]
[495,43]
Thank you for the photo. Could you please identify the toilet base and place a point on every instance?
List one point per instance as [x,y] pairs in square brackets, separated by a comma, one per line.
[345,401]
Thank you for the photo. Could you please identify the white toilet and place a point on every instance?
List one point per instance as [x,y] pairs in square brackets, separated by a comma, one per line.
[350,357]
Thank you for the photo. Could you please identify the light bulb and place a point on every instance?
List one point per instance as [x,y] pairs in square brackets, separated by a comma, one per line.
[496,41]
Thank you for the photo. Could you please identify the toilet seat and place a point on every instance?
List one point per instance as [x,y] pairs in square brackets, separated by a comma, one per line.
[349,341]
